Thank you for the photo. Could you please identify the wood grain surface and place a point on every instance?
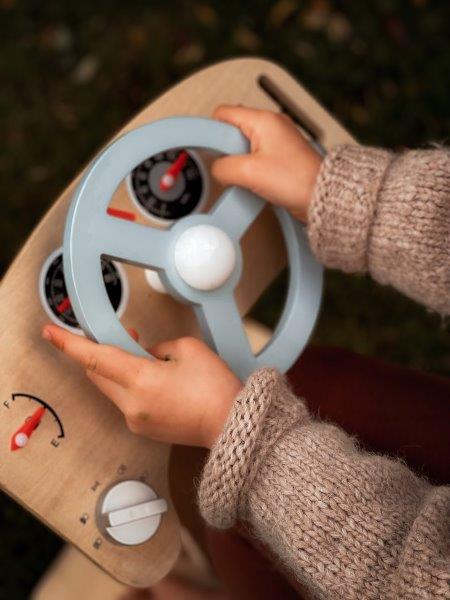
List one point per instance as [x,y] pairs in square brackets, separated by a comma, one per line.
[60,484]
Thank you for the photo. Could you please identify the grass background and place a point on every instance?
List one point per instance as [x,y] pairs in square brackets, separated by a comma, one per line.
[71,73]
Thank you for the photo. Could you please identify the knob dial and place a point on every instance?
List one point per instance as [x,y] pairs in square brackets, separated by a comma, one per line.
[130,512]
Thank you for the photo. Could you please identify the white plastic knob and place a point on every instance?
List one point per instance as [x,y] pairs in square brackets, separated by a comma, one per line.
[205,257]
[154,281]
[131,512]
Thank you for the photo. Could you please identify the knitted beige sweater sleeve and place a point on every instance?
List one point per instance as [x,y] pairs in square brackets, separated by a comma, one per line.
[389,215]
[347,524]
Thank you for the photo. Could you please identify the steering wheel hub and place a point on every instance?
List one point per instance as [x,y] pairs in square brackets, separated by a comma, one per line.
[204,257]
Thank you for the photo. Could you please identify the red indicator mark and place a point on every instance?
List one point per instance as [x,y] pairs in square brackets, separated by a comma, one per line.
[121,214]
[22,435]
[170,176]
[64,305]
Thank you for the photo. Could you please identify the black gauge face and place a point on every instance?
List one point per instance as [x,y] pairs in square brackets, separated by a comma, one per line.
[55,292]
[185,194]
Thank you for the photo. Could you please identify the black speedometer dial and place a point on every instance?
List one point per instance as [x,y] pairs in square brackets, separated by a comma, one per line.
[184,196]
[54,292]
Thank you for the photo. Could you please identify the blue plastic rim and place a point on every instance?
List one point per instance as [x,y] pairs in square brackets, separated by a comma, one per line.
[91,233]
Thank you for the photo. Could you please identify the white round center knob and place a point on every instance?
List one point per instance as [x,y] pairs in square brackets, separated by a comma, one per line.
[130,512]
[205,257]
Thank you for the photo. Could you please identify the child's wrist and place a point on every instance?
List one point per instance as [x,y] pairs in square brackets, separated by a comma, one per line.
[218,417]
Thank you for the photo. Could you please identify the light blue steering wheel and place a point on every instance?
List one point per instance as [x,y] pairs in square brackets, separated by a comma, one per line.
[91,233]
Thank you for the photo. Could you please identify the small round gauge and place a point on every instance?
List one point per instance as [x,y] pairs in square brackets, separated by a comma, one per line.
[169,185]
[53,291]
[28,412]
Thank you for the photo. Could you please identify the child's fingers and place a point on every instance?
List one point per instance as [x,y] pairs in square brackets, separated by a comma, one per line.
[164,350]
[177,349]
[112,390]
[240,116]
[108,361]
[235,170]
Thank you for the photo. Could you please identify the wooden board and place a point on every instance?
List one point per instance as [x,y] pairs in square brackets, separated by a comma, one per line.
[60,484]
[72,575]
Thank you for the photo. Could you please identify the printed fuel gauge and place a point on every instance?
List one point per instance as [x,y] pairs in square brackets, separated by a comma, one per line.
[28,413]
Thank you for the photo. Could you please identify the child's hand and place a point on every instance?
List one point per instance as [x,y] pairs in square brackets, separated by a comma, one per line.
[281,167]
[182,397]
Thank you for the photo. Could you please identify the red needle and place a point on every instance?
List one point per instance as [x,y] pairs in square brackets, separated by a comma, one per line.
[121,214]
[22,435]
[63,305]
[170,176]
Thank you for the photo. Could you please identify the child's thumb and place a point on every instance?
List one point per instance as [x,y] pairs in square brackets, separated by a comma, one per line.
[235,170]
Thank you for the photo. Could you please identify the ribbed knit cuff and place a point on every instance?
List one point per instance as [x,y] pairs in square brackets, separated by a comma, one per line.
[343,205]
[262,412]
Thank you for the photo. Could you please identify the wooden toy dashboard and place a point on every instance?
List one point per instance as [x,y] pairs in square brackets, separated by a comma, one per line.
[61,470]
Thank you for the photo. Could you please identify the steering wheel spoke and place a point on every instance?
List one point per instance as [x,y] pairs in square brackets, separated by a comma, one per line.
[224,331]
[236,210]
[147,250]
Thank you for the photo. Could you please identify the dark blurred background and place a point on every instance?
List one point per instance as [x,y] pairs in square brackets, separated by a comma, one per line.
[73,72]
